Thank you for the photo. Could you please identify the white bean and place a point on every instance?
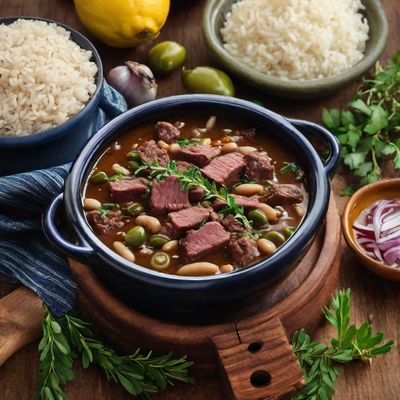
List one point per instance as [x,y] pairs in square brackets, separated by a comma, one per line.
[198,269]
[170,246]
[124,251]
[270,212]
[91,204]
[211,122]
[163,145]
[174,148]
[152,224]
[226,268]
[246,149]
[299,210]
[194,133]
[119,169]
[249,189]
[266,246]
[229,147]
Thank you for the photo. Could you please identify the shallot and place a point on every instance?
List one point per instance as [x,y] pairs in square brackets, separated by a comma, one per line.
[134,81]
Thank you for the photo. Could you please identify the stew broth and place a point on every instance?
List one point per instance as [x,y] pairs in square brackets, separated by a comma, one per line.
[224,131]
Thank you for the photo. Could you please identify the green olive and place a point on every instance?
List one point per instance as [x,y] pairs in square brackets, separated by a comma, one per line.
[288,231]
[159,240]
[135,209]
[258,217]
[100,177]
[207,80]
[275,237]
[133,155]
[136,236]
[166,56]
[160,261]
[133,165]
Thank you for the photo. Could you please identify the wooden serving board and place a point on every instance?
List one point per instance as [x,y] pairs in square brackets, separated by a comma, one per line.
[251,345]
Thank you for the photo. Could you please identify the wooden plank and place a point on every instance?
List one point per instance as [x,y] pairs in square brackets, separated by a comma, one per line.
[371,296]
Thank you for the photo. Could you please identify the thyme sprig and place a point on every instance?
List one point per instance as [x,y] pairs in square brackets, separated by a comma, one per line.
[68,338]
[352,343]
[191,178]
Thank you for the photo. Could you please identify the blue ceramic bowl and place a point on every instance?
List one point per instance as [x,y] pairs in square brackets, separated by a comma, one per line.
[169,294]
[61,144]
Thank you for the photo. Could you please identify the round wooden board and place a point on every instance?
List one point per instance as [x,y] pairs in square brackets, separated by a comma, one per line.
[269,319]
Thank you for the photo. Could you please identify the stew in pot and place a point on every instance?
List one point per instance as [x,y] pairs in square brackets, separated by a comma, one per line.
[195,197]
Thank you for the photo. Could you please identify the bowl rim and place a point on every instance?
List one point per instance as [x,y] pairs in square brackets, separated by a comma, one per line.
[289,87]
[361,193]
[89,154]
[58,131]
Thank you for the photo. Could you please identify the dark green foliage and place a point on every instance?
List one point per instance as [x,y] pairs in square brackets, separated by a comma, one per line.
[370,129]
[352,343]
[69,338]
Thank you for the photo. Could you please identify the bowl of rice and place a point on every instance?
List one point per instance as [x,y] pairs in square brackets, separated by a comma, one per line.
[51,78]
[296,48]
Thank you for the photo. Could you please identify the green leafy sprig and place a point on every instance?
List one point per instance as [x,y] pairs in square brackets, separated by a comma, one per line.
[292,167]
[352,343]
[68,338]
[370,129]
[191,178]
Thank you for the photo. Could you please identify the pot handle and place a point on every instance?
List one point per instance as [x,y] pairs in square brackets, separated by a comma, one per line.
[320,132]
[79,252]
[257,360]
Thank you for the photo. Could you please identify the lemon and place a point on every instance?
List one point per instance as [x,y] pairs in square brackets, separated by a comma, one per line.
[123,23]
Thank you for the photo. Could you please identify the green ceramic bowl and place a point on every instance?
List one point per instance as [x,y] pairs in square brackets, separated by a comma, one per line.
[213,19]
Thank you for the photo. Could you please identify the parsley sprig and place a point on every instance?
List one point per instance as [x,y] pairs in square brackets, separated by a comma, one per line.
[370,129]
[292,167]
[191,178]
[352,343]
[68,338]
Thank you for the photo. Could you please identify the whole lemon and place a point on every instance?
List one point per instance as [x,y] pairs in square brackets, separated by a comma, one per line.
[123,23]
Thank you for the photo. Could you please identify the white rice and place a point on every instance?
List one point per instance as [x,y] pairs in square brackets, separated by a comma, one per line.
[45,78]
[297,39]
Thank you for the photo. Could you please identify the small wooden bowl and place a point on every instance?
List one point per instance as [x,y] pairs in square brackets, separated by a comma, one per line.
[386,189]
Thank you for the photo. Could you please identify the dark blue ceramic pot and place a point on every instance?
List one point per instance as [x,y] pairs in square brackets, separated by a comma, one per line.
[168,294]
[63,143]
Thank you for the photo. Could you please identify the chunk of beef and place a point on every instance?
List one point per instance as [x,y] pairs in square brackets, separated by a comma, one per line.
[104,223]
[258,166]
[167,132]
[196,194]
[127,189]
[199,155]
[283,194]
[210,238]
[229,222]
[225,170]
[248,203]
[243,251]
[182,165]
[167,196]
[149,152]
[182,221]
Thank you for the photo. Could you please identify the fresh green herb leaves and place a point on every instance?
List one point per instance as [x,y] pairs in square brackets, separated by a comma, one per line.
[191,178]
[184,142]
[292,167]
[369,130]
[352,343]
[68,338]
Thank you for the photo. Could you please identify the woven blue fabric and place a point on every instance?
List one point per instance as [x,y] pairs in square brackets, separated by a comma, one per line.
[25,254]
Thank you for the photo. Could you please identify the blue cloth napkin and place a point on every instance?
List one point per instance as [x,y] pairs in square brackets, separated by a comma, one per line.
[25,254]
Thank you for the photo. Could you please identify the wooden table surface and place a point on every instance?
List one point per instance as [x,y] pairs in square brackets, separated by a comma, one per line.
[372,298]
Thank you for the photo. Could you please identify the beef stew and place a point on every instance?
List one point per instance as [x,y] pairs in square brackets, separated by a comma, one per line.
[199,197]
